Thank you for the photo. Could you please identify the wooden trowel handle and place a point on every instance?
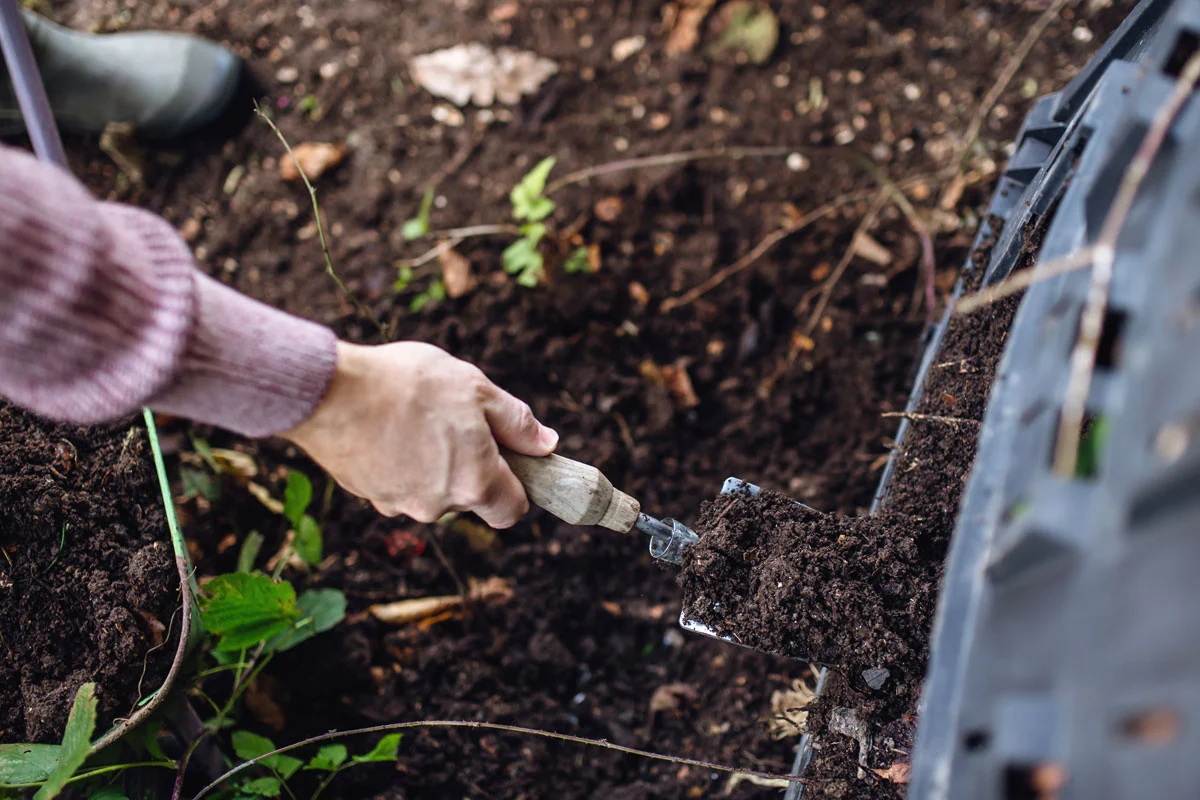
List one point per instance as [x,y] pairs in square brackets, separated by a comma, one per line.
[574,492]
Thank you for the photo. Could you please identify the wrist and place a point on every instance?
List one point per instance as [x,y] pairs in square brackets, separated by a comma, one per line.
[331,411]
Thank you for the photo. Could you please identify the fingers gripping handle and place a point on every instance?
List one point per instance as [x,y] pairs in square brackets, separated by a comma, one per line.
[575,493]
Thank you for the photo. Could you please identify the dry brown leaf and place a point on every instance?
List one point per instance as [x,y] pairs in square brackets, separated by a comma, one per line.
[236,463]
[157,629]
[227,541]
[800,342]
[611,607]
[473,72]
[688,16]
[896,773]
[639,294]
[492,590]
[608,209]
[403,612]
[680,384]
[263,496]
[821,271]
[316,158]
[651,373]
[456,273]
[260,699]
[867,247]
[668,696]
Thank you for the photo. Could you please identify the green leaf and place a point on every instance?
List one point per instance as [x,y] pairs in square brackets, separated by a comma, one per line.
[308,542]
[320,610]
[205,452]
[297,496]
[329,758]
[198,483]
[245,609]
[520,256]
[248,552]
[527,200]
[1091,447]
[76,743]
[534,232]
[435,294]
[108,793]
[249,745]
[532,275]
[753,30]
[387,750]
[262,787]
[404,276]
[23,764]
[578,261]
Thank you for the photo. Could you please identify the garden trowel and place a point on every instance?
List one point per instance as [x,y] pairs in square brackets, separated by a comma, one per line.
[579,494]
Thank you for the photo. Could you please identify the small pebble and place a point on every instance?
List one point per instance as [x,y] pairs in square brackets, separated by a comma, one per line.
[876,677]
[796,162]
[627,48]
[287,75]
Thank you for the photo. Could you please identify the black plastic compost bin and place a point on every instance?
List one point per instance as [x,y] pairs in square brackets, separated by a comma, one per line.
[1066,646]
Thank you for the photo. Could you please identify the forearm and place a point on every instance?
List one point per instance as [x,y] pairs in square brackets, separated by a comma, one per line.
[102,311]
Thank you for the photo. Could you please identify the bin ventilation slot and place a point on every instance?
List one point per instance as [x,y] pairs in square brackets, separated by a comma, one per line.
[1034,781]
[1154,727]
[1185,46]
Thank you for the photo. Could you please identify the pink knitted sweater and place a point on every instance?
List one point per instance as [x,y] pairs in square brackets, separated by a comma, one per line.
[102,311]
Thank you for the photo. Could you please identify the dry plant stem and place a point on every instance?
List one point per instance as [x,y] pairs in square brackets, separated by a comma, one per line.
[1083,358]
[1003,80]
[1020,281]
[834,277]
[929,418]
[492,726]
[456,236]
[761,249]
[928,260]
[312,194]
[671,159]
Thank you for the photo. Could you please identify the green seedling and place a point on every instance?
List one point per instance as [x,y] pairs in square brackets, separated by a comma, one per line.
[309,105]
[530,206]
[332,759]
[307,543]
[578,262]
[418,226]
[434,294]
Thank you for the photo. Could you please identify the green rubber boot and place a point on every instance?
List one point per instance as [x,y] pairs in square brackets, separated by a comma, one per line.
[164,85]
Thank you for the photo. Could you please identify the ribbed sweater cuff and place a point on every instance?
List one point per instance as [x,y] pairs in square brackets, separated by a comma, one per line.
[249,368]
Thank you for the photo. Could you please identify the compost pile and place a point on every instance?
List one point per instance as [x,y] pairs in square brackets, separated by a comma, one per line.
[88,585]
[831,589]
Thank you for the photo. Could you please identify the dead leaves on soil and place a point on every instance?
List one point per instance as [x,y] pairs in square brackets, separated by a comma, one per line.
[315,158]
[494,590]
[896,773]
[456,273]
[683,19]
[674,378]
[669,696]
[473,72]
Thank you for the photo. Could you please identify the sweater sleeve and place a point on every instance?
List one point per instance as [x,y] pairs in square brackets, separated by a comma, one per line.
[102,311]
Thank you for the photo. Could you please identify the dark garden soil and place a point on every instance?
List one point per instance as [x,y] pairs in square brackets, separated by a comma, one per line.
[88,584]
[787,393]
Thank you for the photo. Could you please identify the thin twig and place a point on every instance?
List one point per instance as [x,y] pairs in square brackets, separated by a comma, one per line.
[1020,281]
[492,726]
[928,260]
[1091,324]
[827,288]
[453,237]
[851,250]
[312,194]
[672,159]
[929,418]
[1002,81]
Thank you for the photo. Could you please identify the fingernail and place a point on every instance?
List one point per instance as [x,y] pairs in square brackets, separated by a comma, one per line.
[548,437]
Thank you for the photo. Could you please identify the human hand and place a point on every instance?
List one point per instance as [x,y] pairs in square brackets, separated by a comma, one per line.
[417,432]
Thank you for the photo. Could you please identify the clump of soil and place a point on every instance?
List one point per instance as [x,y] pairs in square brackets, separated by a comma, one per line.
[831,589]
[88,584]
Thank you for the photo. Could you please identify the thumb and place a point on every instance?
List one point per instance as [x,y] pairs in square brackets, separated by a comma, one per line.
[514,425]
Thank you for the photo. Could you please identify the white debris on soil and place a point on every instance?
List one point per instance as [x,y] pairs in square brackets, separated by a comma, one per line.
[847,722]
[475,73]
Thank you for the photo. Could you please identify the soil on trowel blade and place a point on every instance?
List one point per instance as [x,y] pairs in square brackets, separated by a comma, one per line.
[88,584]
[835,590]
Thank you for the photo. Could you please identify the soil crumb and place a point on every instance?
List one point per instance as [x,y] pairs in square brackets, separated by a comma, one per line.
[88,584]
[850,592]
